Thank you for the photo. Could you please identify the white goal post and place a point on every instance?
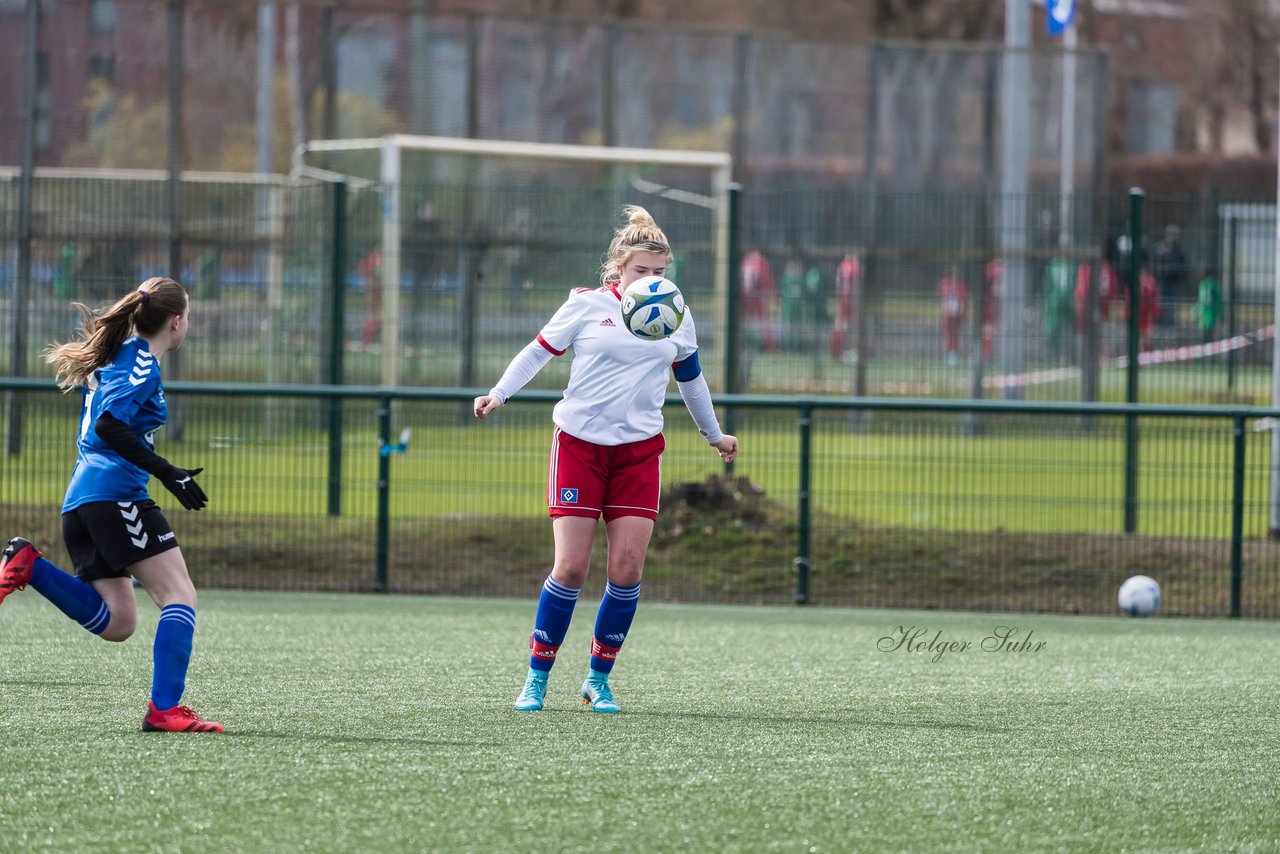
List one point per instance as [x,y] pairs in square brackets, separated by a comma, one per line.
[391,150]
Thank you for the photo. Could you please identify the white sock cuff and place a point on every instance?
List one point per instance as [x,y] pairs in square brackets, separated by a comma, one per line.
[622,593]
[557,589]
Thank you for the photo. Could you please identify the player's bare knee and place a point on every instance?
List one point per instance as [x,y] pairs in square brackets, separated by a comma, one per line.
[628,576]
[120,629]
[571,577]
[173,593]
[627,566]
[177,598]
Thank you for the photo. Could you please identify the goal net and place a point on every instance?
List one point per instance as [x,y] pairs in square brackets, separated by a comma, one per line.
[465,246]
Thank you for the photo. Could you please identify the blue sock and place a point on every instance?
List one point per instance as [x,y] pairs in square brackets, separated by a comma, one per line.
[613,621]
[551,623]
[171,654]
[73,597]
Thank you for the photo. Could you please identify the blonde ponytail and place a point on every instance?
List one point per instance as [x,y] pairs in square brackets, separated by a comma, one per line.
[640,234]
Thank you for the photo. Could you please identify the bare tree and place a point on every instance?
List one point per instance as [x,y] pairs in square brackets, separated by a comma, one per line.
[1234,67]
[956,20]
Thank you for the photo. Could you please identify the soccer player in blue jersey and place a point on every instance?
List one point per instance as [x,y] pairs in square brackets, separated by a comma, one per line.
[112,529]
[606,451]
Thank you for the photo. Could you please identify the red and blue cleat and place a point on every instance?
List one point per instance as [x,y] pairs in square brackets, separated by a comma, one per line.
[177,719]
[15,566]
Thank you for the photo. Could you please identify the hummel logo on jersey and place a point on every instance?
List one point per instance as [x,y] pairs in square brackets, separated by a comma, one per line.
[608,321]
[141,368]
[568,495]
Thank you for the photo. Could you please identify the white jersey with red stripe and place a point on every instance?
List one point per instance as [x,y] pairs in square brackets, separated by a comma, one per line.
[617,382]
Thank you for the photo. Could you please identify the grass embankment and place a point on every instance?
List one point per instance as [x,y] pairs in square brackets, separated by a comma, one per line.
[718,540]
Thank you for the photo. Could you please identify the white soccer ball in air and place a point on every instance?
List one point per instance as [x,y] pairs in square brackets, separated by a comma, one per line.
[652,308]
[1139,596]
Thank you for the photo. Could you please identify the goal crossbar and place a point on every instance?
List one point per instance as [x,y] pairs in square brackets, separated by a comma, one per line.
[526,150]
[717,163]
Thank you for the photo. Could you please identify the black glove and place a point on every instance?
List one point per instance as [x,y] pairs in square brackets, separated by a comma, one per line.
[182,483]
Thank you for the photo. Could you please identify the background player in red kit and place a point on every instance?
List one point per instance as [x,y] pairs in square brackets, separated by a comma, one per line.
[848,273]
[606,450]
[759,300]
[953,305]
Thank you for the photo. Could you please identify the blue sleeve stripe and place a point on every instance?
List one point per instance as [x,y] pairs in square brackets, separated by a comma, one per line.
[687,369]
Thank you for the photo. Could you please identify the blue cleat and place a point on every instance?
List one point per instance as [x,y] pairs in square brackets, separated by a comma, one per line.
[597,694]
[535,688]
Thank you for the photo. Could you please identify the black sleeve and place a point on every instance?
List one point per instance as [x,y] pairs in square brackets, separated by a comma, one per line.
[121,439]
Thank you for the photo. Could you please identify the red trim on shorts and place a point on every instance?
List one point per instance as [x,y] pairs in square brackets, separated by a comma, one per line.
[586,479]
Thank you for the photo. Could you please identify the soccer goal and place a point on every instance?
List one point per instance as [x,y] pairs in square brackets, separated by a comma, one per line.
[492,205]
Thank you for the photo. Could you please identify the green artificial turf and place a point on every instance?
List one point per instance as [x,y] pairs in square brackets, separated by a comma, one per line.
[373,723]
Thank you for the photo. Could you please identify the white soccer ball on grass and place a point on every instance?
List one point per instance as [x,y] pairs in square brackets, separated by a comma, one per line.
[1139,596]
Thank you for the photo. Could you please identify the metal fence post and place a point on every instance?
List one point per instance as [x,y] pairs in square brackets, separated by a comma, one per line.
[1131,386]
[803,561]
[733,313]
[384,492]
[337,306]
[1231,298]
[1237,509]
[21,313]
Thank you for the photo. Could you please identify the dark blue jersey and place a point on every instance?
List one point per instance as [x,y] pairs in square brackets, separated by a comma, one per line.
[129,388]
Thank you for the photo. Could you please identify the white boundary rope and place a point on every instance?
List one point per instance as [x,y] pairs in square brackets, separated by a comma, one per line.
[1167,356]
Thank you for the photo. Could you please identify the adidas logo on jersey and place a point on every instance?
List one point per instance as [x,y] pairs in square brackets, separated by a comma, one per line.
[608,321]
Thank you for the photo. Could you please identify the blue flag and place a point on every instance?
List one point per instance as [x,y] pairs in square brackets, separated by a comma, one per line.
[1059,15]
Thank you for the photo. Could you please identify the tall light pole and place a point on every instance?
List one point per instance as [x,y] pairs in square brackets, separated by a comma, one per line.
[1067,165]
[1014,153]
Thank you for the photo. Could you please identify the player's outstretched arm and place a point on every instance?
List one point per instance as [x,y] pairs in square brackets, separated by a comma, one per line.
[181,482]
[697,399]
[523,368]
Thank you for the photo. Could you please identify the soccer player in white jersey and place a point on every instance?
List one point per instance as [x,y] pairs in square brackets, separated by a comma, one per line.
[606,450]
[112,529]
